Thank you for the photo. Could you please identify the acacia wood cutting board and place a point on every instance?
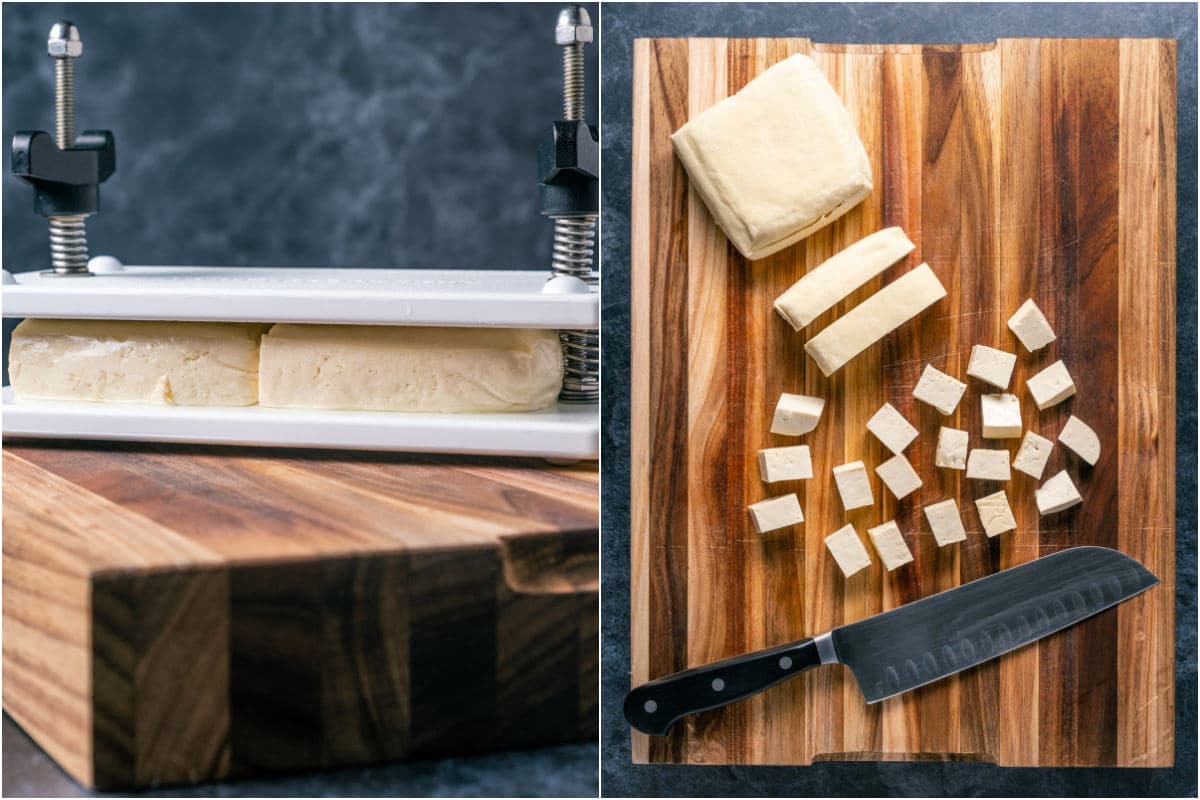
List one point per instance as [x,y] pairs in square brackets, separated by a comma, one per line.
[1024,168]
[190,614]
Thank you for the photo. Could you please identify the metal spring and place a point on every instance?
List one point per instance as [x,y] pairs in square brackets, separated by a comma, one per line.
[574,246]
[64,102]
[68,244]
[574,99]
[581,366]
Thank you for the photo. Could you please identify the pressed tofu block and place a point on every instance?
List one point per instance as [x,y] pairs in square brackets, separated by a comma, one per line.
[848,551]
[1051,386]
[996,514]
[988,465]
[874,318]
[775,513]
[838,277]
[1033,454]
[1057,494]
[120,361]
[899,476]
[419,369]
[991,365]
[939,390]
[891,428]
[1030,326]
[854,485]
[1081,439]
[1001,416]
[946,523]
[796,414]
[951,448]
[785,463]
[776,161]
[890,545]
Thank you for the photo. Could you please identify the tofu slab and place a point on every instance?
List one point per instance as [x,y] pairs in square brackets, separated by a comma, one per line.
[1051,386]
[776,161]
[1031,327]
[988,465]
[939,390]
[796,414]
[1001,416]
[785,463]
[417,369]
[946,523]
[120,361]
[1079,437]
[1058,493]
[1033,454]
[995,514]
[891,428]
[951,448]
[991,365]
[775,513]
[853,485]
[899,476]
[890,545]
[848,551]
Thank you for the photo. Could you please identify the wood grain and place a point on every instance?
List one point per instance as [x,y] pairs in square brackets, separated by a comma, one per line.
[1024,168]
[187,614]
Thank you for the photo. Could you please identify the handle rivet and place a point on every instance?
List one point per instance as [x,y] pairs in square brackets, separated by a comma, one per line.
[718,685]
[785,662]
[650,706]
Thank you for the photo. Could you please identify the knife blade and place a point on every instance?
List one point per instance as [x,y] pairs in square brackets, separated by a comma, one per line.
[917,643]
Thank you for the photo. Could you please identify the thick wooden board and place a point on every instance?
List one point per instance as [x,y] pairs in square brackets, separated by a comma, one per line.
[177,615]
[1024,168]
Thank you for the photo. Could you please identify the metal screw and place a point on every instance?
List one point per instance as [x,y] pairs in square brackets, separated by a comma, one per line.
[68,236]
[571,32]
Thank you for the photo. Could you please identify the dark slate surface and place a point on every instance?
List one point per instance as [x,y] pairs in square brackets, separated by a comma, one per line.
[306,135]
[917,23]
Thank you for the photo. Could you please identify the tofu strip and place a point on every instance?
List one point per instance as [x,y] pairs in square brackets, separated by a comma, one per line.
[874,318]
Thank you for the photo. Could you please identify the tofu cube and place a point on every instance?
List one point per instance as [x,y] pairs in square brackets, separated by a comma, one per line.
[854,485]
[939,390]
[996,514]
[1001,416]
[1057,494]
[891,428]
[988,465]
[1080,438]
[785,463]
[946,523]
[1051,386]
[796,414]
[848,551]
[1033,454]
[991,365]
[951,449]
[889,543]
[1031,327]
[899,476]
[775,513]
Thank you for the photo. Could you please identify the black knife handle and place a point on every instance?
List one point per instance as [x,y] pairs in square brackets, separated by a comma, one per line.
[655,706]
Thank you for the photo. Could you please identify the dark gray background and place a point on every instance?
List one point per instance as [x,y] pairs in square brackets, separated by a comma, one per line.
[916,23]
[306,135]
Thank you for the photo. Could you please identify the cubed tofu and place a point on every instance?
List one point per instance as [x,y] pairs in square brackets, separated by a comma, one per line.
[951,449]
[988,465]
[1033,454]
[996,514]
[785,463]
[890,545]
[776,512]
[946,523]
[1001,416]
[796,414]
[939,390]
[891,428]
[991,365]
[1031,327]
[1077,436]
[1051,386]
[854,485]
[899,476]
[848,551]
[1057,494]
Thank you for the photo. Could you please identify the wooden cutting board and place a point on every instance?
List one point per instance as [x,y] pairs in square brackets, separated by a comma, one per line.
[1025,168]
[187,614]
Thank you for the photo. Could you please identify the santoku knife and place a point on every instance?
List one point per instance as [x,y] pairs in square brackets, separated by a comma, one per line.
[914,644]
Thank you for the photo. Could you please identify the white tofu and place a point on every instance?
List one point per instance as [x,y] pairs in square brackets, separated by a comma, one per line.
[848,551]
[775,513]
[796,414]
[951,449]
[939,390]
[946,523]
[996,514]
[1031,327]
[889,543]
[1033,454]
[874,318]
[988,465]
[891,428]
[785,463]
[836,278]
[776,161]
[1081,439]
[899,476]
[854,485]
[1057,494]
[1001,416]
[1051,386]
[991,365]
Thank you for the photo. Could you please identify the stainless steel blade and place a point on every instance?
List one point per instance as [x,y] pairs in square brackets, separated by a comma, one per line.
[945,633]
